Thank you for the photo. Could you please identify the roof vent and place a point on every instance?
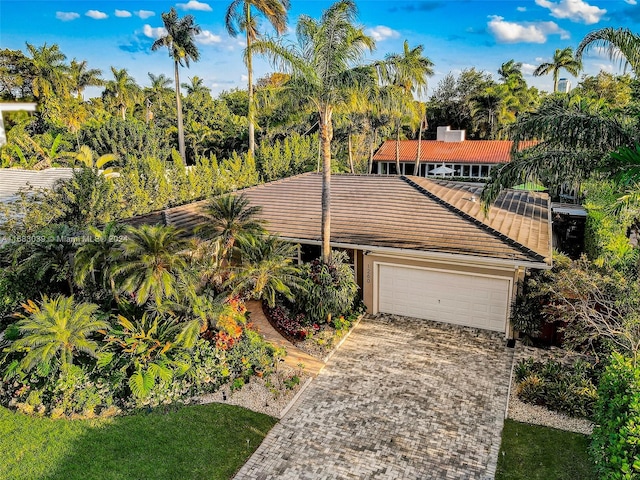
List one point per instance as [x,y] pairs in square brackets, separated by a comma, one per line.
[445,134]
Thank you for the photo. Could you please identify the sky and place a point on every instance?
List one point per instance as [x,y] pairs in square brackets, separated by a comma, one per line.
[456,34]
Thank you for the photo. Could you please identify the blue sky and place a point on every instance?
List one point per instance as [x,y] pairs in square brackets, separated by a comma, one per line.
[456,34]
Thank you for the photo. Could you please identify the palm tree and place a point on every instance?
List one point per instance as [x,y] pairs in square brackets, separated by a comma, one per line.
[151,264]
[57,329]
[195,85]
[267,269]
[160,86]
[180,40]
[509,69]
[561,59]
[239,18]
[322,65]
[122,90]
[231,219]
[83,77]
[51,75]
[408,72]
[95,261]
[622,45]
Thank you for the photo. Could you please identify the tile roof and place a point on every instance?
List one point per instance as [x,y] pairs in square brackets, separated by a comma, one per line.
[14,179]
[467,151]
[409,213]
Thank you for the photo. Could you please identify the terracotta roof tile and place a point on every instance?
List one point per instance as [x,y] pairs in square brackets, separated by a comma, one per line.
[467,151]
[398,212]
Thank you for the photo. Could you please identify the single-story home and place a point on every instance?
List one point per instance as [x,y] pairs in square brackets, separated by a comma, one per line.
[420,247]
[449,155]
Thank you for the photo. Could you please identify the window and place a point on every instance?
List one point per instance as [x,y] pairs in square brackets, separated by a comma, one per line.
[466,170]
[484,171]
[475,170]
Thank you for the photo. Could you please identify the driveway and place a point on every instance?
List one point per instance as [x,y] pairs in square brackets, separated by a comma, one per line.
[402,398]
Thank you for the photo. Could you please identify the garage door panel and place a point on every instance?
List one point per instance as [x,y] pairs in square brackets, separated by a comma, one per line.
[450,297]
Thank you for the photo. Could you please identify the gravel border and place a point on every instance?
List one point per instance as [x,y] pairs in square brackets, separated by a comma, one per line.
[535,414]
[257,396]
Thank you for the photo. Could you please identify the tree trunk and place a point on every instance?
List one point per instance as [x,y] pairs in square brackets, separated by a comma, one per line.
[251,112]
[555,80]
[123,111]
[372,146]
[179,110]
[398,150]
[326,134]
[416,168]
[350,149]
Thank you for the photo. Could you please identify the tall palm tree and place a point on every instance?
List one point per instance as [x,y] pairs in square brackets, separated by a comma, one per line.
[122,91]
[155,93]
[407,71]
[57,329]
[231,218]
[195,85]
[180,40]
[239,18]
[561,59]
[51,74]
[622,45]
[152,263]
[510,68]
[83,77]
[322,65]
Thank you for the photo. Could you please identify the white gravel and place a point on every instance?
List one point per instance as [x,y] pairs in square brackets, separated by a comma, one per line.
[258,395]
[535,414]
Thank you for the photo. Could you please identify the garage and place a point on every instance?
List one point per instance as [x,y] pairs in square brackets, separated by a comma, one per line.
[461,298]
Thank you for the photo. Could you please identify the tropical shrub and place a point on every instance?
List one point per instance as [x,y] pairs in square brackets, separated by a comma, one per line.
[615,442]
[329,288]
[565,388]
[294,325]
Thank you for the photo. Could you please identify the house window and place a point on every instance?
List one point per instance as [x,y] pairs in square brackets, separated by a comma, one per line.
[475,171]
[423,169]
[484,171]
[466,171]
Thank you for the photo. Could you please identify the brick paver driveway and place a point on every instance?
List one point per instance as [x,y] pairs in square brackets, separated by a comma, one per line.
[402,398]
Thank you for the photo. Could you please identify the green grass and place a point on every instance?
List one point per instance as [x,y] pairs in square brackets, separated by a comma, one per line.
[199,442]
[532,452]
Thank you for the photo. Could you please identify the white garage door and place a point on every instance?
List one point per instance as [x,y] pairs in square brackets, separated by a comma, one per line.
[471,300]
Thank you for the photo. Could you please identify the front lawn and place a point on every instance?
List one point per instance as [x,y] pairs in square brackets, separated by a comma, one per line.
[193,442]
[531,452]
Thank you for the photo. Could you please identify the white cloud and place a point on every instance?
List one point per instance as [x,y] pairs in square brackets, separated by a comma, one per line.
[381,32]
[631,2]
[521,9]
[528,69]
[523,32]
[144,14]
[205,37]
[194,5]
[574,10]
[67,16]
[154,33]
[244,78]
[122,13]
[96,14]
[607,67]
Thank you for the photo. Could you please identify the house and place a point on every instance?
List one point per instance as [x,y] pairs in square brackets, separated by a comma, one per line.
[449,155]
[419,247]
[15,180]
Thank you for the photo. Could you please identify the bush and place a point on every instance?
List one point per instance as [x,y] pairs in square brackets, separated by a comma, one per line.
[293,325]
[329,288]
[568,389]
[615,442]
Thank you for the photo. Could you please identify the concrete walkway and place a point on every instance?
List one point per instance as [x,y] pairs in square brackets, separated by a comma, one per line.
[295,357]
[401,399]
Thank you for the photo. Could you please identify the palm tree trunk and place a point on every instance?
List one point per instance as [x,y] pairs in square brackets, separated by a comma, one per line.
[372,146]
[179,110]
[556,74]
[350,149]
[250,113]
[326,132]
[398,150]
[416,168]
[123,111]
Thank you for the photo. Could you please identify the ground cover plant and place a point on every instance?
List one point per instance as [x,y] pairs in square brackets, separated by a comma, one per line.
[194,442]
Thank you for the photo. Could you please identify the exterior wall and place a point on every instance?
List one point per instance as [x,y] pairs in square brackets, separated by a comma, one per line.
[370,280]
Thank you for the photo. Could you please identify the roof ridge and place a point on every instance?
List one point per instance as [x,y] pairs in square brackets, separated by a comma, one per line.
[470,218]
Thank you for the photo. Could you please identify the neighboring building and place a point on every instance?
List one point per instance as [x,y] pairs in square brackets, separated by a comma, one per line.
[419,247]
[14,180]
[564,85]
[448,156]
[13,107]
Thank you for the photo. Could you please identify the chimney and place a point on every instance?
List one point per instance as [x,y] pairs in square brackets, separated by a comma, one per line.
[445,134]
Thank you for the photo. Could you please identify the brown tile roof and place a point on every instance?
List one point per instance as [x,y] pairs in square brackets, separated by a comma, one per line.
[408,213]
[468,151]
